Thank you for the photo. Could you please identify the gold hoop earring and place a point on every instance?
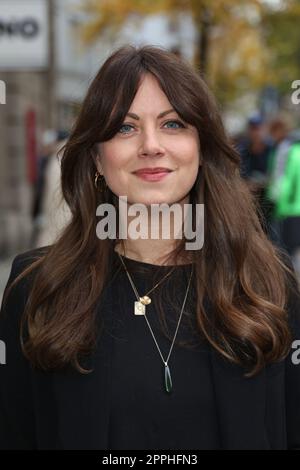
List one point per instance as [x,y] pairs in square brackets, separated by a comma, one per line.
[102,186]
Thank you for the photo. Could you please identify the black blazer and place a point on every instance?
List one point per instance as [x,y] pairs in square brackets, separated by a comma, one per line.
[53,410]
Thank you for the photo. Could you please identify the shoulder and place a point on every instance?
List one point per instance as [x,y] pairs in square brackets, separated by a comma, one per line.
[22,261]
[25,259]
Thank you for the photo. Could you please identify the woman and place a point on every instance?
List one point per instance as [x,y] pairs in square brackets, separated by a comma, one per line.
[141,343]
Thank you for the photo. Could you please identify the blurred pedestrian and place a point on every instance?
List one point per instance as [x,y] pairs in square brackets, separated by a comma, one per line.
[48,145]
[284,186]
[255,150]
[54,211]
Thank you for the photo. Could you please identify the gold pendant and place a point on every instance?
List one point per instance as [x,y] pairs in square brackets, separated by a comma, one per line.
[139,308]
[145,300]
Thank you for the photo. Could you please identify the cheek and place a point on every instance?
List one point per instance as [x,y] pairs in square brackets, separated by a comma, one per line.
[123,156]
[113,161]
[112,157]
[187,153]
[190,162]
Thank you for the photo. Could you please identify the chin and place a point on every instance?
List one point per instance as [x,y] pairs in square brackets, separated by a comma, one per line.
[160,200]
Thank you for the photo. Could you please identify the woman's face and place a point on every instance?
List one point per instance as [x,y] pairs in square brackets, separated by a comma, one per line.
[148,140]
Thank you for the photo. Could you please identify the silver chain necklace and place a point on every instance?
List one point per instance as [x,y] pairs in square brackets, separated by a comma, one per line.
[167,373]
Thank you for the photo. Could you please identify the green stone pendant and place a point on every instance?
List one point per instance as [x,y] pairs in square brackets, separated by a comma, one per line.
[168,380]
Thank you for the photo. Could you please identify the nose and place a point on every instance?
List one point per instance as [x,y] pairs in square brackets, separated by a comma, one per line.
[150,144]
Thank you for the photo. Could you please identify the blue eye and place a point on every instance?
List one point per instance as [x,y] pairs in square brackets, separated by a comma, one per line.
[124,125]
[128,126]
[175,122]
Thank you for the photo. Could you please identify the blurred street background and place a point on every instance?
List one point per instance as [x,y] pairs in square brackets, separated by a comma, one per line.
[247,51]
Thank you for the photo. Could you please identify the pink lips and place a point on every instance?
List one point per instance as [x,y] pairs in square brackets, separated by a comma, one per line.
[152,174]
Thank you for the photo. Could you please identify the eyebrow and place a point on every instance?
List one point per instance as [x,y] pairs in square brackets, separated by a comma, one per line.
[164,113]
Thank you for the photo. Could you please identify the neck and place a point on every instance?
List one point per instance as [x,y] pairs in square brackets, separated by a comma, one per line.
[152,250]
[147,251]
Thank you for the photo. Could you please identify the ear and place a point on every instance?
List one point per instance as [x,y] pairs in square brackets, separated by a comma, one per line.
[97,158]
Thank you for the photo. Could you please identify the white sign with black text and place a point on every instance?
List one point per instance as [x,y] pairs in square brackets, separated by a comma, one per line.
[23,34]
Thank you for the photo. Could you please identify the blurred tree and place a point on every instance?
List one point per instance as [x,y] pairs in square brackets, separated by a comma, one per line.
[239,60]
[108,16]
[232,50]
[282,35]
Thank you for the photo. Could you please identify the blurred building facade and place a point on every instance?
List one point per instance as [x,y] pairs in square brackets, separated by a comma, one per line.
[46,94]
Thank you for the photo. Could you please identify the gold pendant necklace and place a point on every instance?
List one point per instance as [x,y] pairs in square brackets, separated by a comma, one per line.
[140,304]
[167,372]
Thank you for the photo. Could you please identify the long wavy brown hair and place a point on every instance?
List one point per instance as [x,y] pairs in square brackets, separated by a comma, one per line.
[239,271]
